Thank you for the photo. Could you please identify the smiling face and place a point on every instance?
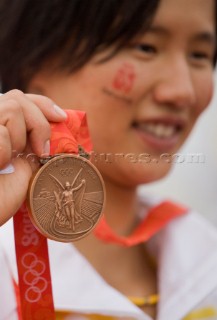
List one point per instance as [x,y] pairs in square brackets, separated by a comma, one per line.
[147,98]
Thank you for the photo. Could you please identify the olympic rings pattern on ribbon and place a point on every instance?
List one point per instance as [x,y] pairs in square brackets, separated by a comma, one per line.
[33,278]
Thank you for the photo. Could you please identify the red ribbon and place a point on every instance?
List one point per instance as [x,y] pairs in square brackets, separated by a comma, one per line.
[36,299]
[154,221]
[35,287]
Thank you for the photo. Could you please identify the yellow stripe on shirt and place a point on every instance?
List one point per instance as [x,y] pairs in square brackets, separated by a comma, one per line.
[206,313]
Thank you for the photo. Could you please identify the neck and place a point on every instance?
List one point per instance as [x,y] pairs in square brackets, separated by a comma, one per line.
[121,208]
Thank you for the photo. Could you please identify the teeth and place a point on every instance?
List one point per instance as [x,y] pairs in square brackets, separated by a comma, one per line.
[159,130]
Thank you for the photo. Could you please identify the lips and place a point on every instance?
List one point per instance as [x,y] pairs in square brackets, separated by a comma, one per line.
[161,134]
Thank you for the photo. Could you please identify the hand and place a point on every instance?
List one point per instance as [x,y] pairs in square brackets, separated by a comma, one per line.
[24,128]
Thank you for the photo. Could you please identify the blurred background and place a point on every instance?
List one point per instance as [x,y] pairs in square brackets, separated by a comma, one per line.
[195,184]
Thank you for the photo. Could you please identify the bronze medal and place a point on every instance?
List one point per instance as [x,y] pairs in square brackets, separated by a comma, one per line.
[66,198]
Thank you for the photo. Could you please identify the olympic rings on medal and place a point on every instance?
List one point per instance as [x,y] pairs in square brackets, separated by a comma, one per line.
[66,172]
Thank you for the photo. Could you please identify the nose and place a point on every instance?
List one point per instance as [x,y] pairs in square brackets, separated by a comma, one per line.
[175,85]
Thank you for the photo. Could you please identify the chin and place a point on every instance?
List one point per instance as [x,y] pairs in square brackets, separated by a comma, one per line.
[151,176]
[156,176]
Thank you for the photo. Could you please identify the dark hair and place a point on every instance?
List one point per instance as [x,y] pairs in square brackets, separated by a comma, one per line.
[35,31]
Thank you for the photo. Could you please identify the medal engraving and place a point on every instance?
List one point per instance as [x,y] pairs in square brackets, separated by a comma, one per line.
[66,198]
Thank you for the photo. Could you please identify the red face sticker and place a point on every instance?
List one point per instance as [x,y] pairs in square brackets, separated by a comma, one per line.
[124,78]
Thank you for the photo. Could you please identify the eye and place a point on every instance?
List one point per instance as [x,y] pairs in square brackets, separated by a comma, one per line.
[201,56]
[146,48]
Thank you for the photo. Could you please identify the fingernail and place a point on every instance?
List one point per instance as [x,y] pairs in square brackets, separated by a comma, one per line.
[60,111]
[47,148]
[9,169]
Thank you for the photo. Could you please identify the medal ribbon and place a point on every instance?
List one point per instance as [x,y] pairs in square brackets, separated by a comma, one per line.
[153,222]
[35,288]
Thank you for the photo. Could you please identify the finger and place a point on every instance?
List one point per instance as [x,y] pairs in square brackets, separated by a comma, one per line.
[36,123]
[11,116]
[37,126]
[8,169]
[5,147]
[51,111]
[12,199]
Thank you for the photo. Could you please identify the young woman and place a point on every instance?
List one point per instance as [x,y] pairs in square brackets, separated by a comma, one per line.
[143,73]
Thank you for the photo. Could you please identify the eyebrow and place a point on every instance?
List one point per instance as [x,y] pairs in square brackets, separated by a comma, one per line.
[207,37]
[158,30]
[204,36]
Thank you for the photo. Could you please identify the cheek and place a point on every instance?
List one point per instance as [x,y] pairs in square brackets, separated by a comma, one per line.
[124,78]
[205,91]
[120,84]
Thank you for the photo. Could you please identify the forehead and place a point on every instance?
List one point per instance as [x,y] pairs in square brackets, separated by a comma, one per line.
[193,14]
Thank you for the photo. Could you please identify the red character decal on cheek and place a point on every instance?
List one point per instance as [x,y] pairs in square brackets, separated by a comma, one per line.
[124,78]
